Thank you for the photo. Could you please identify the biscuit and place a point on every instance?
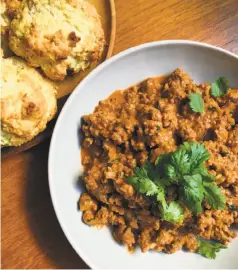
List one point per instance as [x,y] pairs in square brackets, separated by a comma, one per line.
[58,36]
[28,102]
[12,6]
[4,18]
[8,9]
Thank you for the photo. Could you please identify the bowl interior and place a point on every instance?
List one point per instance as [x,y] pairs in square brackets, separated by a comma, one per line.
[204,63]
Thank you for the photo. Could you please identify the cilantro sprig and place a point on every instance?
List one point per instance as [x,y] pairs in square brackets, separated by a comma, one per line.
[184,168]
[209,248]
[196,102]
[220,87]
[146,182]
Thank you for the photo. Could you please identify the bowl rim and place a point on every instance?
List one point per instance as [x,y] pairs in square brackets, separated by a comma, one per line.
[114,58]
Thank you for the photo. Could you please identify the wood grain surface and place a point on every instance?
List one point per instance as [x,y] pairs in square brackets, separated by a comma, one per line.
[31,235]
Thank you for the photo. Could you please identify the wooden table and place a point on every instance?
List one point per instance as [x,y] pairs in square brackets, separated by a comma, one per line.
[31,235]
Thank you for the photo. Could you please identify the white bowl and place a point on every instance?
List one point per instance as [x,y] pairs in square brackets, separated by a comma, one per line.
[96,247]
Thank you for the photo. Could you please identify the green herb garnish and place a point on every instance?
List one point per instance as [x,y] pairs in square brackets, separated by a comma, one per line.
[219,87]
[183,167]
[209,248]
[146,183]
[213,195]
[192,192]
[196,102]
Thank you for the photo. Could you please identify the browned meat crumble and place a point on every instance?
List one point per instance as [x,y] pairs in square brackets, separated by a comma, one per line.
[138,124]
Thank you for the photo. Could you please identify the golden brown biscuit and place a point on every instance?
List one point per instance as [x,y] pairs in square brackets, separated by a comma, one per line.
[57,35]
[28,102]
[4,18]
[8,9]
[12,6]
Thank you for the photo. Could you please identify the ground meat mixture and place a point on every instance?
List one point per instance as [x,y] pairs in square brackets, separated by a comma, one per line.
[138,124]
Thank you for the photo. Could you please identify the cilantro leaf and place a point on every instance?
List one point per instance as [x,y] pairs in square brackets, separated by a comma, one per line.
[142,182]
[159,159]
[214,196]
[143,185]
[186,168]
[179,160]
[151,171]
[173,213]
[197,154]
[162,160]
[192,193]
[219,87]
[196,103]
[186,160]
[146,183]
[209,249]
[171,171]
[161,164]
[202,170]
[172,165]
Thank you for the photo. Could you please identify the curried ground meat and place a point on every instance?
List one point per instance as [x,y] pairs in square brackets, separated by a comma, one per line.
[138,124]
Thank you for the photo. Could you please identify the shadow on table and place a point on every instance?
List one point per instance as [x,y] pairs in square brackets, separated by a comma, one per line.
[42,218]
